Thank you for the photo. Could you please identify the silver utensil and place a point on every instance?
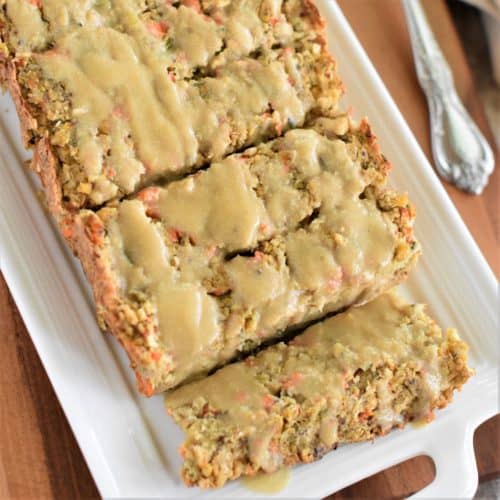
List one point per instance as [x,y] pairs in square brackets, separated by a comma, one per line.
[461,153]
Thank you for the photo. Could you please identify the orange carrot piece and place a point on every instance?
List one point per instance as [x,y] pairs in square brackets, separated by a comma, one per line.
[267,402]
[174,234]
[257,256]
[145,386]
[149,197]
[292,380]
[157,28]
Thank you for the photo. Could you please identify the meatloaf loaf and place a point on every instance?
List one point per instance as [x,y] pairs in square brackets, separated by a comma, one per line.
[189,275]
[120,93]
[348,378]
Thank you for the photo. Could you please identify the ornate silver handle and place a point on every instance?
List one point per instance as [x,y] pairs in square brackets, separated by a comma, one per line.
[462,154]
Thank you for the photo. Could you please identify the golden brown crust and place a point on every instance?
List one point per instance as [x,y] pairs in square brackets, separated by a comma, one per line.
[44,163]
[82,236]
[319,24]
[10,81]
[85,233]
[371,139]
[317,21]
[3,69]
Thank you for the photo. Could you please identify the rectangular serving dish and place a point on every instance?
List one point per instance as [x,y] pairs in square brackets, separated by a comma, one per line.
[129,443]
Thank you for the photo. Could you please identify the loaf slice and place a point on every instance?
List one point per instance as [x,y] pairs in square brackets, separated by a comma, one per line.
[348,378]
[108,111]
[192,274]
[190,36]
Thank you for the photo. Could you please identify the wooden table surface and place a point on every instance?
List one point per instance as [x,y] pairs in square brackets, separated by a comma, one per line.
[39,457]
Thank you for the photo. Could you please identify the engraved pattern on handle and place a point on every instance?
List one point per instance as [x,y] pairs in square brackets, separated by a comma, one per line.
[461,153]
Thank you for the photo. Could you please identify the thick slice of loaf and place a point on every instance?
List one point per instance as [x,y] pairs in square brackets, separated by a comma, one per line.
[105,103]
[190,36]
[348,378]
[190,275]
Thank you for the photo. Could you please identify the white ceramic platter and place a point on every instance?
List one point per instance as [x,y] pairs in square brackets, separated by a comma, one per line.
[129,443]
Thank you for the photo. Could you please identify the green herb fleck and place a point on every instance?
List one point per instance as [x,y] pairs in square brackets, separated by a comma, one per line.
[169,43]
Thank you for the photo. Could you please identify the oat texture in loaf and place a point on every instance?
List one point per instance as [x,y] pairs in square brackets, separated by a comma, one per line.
[348,378]
[197,272]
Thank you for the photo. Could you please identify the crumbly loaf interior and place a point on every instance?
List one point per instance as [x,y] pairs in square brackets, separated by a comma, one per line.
[127,94]
[349,378]
[314,231]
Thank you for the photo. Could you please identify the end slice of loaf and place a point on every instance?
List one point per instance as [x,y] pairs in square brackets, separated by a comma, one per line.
[348,378]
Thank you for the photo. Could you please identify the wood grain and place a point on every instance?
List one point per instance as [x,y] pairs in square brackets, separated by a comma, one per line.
[39,457]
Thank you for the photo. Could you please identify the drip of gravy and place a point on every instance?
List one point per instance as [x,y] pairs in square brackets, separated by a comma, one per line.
[268,483]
